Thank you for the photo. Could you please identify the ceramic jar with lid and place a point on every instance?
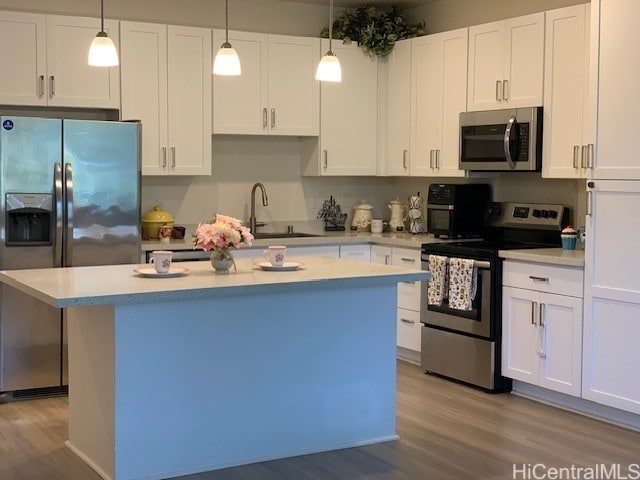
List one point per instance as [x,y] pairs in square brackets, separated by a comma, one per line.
[153,220]
[362,214]
[398,215]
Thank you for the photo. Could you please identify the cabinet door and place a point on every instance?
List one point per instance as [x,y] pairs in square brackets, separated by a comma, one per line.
[565,92]
[361,253]
[408,292]
[380,254]
[72,82]
[22,52]
[144,89]
[189,100]
[240,104]
[399,109]
[560,352]
[348,115]
[524,61]
[486,67]
[454,101]
[294,92]
[618,95]
[427,93]
[520,334]
[612,297]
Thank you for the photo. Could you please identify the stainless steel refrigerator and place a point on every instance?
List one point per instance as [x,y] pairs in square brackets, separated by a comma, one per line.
[69,196]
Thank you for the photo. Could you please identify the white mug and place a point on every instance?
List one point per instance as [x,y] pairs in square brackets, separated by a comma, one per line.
[275,255]
[376,225]
[161,260]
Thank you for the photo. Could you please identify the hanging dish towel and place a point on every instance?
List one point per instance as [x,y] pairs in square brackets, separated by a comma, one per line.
[438,284]
[463,282]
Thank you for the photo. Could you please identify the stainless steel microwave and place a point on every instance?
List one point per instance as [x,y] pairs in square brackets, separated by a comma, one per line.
[501,140]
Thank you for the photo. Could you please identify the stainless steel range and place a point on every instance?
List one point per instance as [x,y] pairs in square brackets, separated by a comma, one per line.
[465,344]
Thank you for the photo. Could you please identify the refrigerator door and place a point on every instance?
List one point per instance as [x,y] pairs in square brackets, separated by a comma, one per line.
[102,192]
[30,330]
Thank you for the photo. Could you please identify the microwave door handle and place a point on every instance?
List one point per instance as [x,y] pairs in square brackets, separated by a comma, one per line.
[507,141]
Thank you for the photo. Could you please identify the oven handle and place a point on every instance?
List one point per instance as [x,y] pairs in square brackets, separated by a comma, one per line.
[482,264]
[507,141]
[440,207]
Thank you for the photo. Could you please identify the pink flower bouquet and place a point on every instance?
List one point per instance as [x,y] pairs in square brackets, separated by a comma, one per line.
[222,233]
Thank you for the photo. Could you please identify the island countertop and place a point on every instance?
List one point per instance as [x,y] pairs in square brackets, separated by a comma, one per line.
[118,284]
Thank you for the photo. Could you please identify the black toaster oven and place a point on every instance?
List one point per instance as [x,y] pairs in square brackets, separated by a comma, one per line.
[455,211]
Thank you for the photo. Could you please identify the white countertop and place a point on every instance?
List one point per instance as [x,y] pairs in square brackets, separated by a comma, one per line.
[118,284]
[554,256]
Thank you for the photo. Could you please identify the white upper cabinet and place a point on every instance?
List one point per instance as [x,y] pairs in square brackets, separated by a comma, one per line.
[399,109]
[166,83]
[567,140]
[277,93]
[348,115]
[439,89]
[506,63]
[618,96]
[44,60]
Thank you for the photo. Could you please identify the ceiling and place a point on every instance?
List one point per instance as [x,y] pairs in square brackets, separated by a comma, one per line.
[358,3]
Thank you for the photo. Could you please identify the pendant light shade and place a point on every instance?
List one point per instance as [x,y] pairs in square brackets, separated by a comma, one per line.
[329,67]
[102,52]
[227,62]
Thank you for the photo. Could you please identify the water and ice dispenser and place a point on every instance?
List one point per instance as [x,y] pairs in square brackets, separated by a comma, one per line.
[29,219]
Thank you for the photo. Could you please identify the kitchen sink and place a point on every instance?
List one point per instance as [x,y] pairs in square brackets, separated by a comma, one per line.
[260,235]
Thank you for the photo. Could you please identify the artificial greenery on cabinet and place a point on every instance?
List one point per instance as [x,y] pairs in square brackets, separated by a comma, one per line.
[374,30]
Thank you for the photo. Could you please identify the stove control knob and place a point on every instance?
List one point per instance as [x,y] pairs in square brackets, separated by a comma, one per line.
[553,214]
[536,213]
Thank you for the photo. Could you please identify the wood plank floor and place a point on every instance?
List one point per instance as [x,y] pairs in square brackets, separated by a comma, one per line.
[448,431]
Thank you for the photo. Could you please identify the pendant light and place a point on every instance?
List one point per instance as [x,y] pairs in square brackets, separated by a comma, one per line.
[102,52]
[227,62]
[329,67]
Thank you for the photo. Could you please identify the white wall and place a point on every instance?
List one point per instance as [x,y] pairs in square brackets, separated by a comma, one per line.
[442,15]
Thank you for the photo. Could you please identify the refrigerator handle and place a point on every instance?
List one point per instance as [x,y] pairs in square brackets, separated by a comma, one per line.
[68,211]
[57,239]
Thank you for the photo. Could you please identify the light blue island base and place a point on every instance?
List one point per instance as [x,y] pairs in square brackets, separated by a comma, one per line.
[163,389]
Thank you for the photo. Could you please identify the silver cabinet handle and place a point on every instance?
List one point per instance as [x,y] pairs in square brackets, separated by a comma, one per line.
[583,156]
[326,159]
[576,153]
[52,86]
[541,314]
[533,313]
[41,86]
[437,158]
[404,159]
[505,90]
[498,90]
[173,157]
[589,203]
[164,157]
[264,117]
[405,259]
[543,333]
[539,279]
[404,320]
[273,118]
[386,259]
[590,155]
[431,159]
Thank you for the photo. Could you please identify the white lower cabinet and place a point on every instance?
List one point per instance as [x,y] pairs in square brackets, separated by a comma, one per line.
[409,331]
[361,253]
[542,331]
[409,336]
[380,254]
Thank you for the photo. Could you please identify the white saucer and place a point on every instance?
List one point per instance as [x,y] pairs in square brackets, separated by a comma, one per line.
[286,266]
[151,272]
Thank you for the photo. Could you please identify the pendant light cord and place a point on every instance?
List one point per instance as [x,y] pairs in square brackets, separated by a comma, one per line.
[226,22]
[102,15]
[330,23]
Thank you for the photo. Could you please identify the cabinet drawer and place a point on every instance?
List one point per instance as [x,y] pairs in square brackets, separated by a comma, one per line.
[543,278]
[408,293]
[409,331]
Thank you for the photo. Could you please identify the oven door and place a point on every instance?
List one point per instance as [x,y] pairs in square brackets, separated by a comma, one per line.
[477,321]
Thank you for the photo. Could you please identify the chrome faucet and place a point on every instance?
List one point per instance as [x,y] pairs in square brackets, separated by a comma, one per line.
[265,202]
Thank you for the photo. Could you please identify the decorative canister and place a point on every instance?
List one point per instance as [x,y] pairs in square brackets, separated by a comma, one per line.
[153,220]
[398,215]
[362,217]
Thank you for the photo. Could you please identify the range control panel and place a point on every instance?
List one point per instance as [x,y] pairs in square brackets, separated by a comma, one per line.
[526,215]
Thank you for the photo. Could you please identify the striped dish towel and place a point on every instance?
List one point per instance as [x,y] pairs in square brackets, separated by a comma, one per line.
[437,287]
[463,283]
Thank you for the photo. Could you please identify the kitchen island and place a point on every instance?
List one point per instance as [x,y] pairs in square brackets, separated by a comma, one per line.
[171,376]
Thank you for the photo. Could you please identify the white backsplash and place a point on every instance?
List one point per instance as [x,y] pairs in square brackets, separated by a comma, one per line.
[241,161]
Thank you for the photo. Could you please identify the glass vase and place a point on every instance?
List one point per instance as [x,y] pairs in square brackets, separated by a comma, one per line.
[222,260]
